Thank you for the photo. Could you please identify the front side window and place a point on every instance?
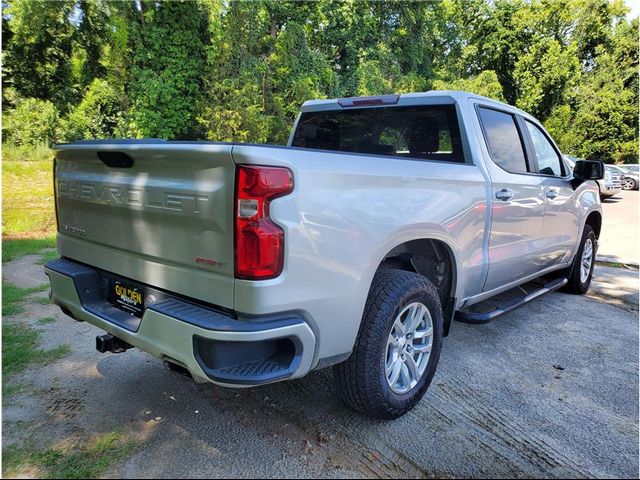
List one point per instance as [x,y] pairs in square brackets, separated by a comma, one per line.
[548,158]
[503,140]
[429,132]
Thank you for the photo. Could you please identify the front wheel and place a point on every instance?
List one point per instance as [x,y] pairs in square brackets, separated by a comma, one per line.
[629,184]
[581,270]
[398,346]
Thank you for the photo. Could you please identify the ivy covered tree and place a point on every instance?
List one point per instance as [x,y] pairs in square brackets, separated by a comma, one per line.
[167,70]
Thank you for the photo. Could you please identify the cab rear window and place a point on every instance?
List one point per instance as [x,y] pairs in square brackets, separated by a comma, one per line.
[429,132]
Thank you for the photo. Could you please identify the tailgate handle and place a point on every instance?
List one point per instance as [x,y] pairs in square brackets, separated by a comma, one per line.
[116,159]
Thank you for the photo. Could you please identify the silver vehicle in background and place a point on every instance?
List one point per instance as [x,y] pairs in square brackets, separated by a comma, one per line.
[631,176]
[611,184]
[354,246]
[630,167]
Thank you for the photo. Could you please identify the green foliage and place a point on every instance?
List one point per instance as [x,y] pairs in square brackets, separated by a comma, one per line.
[46,320]
[20,348]
[13,297]
[297,74]
[543,75]
[26,153]
[602,121]
[48,256]
[33,122]
[485,83]
[89,460]
[239,71]
[167,71]
[37,59]
[17,247]
[97,115]
[27,196]
[237,115]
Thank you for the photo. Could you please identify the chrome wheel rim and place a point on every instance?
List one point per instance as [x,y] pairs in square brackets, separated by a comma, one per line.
[408,347]
[587,260]
[629,184]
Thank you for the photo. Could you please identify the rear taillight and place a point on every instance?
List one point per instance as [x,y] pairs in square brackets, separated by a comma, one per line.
[259,241]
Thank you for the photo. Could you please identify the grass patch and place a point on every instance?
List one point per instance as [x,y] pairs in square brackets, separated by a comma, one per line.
[41,300]
[20,343]
[87,461]
[10,389]
[616,265]
[27,191]
[13,297]
[47,257]
[26,153]
[20,349]
[46,320]
[13,248]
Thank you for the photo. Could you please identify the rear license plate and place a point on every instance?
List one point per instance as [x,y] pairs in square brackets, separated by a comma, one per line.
[128,297]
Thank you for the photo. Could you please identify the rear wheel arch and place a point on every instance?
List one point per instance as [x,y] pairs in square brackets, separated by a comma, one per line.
[433,259]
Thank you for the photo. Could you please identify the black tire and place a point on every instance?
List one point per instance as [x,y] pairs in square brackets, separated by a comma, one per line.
[576,285]
[361,379]
[632,185]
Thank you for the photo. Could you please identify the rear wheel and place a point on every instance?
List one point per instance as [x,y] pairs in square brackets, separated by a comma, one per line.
[581,271]
[398,346]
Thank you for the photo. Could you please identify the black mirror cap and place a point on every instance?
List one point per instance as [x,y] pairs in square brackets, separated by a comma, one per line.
[588,170]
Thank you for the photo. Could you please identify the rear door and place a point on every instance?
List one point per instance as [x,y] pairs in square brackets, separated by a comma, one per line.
[561,225]
[160,213]
[517,204]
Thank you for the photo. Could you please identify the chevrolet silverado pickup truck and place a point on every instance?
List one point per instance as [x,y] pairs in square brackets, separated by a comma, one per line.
[354,246]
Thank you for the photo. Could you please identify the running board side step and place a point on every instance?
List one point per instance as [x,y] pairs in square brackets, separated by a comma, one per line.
[485,317]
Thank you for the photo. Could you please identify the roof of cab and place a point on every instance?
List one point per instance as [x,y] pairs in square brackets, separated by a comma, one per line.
[406,99]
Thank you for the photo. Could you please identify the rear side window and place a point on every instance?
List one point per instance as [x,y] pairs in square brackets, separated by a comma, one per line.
[503,140]
[429,132]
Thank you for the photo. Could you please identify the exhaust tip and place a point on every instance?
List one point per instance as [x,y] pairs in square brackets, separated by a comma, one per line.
[68,313]
[179,369]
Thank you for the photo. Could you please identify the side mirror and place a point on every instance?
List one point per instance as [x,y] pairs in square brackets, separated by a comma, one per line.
[588,170]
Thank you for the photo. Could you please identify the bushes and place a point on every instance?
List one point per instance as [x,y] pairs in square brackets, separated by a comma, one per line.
[97,115]
[33,122]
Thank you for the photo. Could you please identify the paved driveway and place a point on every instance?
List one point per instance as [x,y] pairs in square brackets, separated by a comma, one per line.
[548,390]
[619,236]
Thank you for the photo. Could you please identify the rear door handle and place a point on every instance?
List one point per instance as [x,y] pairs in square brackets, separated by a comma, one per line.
[504,195]
[552,193]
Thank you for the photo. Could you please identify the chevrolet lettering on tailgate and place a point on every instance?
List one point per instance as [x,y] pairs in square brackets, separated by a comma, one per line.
[147,198]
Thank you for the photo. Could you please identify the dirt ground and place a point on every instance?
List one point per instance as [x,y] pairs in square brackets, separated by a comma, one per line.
[549,390]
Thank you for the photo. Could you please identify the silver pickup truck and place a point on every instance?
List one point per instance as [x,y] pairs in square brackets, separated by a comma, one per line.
[356,245]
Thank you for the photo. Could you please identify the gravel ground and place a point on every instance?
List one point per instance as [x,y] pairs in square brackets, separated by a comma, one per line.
[550,390]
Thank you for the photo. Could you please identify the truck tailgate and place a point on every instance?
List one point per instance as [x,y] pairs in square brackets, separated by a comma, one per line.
[166,220]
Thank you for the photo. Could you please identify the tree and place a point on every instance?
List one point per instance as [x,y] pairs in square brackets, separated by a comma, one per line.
[485,83]
[98,114]
[542,76]
[37,61]
[166,74]
[239,71]
[607,115]
[297,74]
